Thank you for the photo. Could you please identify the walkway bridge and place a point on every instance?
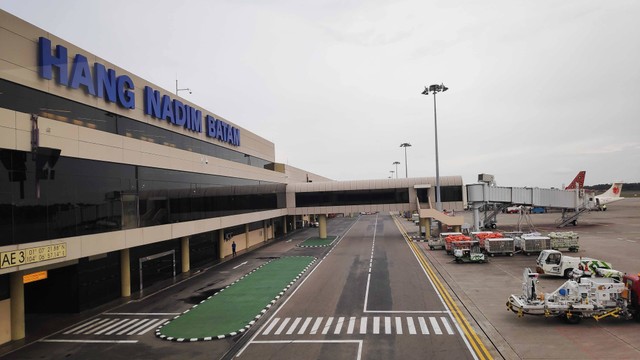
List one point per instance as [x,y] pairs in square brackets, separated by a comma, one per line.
[481,194]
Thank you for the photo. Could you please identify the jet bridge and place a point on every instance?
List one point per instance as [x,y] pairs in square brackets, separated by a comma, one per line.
[481,194]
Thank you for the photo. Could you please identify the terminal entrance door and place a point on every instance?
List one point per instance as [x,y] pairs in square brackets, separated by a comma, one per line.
[154,268]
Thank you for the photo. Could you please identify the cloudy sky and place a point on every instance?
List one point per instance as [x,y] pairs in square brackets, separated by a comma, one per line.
[538,90]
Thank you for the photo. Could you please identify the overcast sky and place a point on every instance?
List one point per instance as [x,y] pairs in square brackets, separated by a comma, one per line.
[538,90]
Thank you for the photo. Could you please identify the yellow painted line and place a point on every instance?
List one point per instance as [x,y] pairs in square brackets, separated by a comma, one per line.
[475,342]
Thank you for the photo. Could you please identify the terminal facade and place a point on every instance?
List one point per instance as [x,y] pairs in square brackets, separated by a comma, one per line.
[109,183]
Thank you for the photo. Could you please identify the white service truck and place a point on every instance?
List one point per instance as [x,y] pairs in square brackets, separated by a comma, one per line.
[553,262]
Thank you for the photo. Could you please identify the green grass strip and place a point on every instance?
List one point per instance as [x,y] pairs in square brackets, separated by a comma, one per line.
[234,309]
[317,242]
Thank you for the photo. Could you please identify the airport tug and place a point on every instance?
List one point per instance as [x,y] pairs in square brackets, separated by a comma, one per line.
[579,298]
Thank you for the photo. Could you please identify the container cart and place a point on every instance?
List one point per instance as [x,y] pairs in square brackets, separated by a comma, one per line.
[530,244]
[564,240]
[439,241]
[503,246]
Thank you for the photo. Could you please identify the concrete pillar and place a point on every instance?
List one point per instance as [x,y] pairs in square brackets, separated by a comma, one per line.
[457,228]
[295,220]
[284,222]
[184,247]
[221,244]
[322,225]
[426,222]
[264,230]
[16,288]
[125,273]
[246,237]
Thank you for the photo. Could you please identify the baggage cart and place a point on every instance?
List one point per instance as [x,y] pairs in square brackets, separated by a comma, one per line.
[533,244]
[564,240]
[503,246]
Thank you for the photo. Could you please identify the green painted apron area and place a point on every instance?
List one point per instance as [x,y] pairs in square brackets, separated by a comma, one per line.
[237,305]
[317,242]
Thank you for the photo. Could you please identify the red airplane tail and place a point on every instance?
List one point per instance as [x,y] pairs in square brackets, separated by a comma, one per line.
[578,181]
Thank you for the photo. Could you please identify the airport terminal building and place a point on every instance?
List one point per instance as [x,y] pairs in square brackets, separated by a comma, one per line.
[112,183]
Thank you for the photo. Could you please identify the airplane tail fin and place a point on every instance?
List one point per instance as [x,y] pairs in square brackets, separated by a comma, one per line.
[614,191]
[578,181]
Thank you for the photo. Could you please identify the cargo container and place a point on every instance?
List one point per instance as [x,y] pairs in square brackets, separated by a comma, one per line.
[533,243]
[501,246]
[564,240]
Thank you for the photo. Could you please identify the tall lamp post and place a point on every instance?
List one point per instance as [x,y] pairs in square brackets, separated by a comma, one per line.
[391,177]
[396,163]
[406,165]
[436,89]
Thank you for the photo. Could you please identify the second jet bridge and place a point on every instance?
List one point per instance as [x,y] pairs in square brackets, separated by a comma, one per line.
[480,194]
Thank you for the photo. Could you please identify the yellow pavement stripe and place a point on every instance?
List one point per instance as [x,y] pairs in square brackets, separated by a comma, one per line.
[470,334]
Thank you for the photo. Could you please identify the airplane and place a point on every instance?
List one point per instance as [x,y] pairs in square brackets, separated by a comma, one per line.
[609,196]
[577,181]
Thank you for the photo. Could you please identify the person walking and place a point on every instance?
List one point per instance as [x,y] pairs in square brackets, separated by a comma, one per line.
[233,248]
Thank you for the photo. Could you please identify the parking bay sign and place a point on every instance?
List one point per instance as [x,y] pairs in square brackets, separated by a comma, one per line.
[32,255]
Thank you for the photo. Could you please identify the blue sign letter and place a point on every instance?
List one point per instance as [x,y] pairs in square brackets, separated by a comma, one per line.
[46,61]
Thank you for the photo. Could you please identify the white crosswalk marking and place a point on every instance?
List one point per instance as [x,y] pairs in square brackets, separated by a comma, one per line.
[398,325]
[316,326]
[411,326]
[423,326]
[282,325]
[392,325]
[352,324]
[115,325]
[327,326]
[387,325]
[294,326]
[271,326]
[446,325]
[435,326]
[304,326]
[339,325]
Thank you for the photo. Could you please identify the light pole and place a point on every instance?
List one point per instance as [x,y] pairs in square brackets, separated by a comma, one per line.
[396,163]
[406,165]
[436,89]
[391,177]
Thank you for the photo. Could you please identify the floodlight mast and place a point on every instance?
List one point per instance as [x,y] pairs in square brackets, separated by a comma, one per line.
[436,89]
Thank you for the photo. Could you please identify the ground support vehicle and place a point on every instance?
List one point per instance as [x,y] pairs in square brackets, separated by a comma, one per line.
[553,262]
[580,298]
[439,242]
[564,240]
[499,246]
[467,252]
[532,243]
[451,238]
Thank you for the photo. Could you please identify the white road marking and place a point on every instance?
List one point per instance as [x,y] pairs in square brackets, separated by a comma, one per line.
[325,330]
[81,326]
[294,326]
[423,326]
[107,324]
[316,326]
[133,326]
[127,323]
[363,325]
[352,324]
[387,325]
[339,325]
[398,325]
[90,341]
[244,263]
[142,324]
[142,314]
[271,326]
[446,325]
[304,326]
[152,326]
[110,327]
[93,326]
[411,326]
[282,326]
[435,326]
[376,325]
